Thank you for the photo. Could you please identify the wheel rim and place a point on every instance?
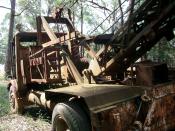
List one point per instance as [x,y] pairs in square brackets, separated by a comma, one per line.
[60,124]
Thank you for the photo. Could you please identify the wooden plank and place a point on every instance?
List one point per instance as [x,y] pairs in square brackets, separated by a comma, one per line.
[49,31]
[45,70]
[90,51]
[39,70]
[61,40]
[102,50]
[69,46]
[61,21]
[27,70]
[36,54]
[46,81]
[18,64]
[39,80]
[51,53]
[36,61]
[74,70]
[94,65]
[22,70]
[39,33]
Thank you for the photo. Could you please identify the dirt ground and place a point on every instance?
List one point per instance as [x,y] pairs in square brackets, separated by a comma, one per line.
[34,120]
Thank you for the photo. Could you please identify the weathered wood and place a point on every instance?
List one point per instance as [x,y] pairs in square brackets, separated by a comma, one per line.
[39,33]
[90,51]
[18,64]
[74,70]
[45,70]
[36,54]
[94,65]
[51,53]
[61,21]
[49,31]
[36,61]
[104,48]
[61,40]
[39,70]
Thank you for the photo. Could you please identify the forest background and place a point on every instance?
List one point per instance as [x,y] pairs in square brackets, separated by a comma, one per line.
[20,15]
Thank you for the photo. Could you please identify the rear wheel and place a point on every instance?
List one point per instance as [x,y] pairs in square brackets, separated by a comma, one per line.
[69,117]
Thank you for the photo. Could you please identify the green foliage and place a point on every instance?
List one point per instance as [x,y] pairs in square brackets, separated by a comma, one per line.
[93,15]
[31,9]
[3,47]
[163,52]
[3,38]
[4,100]
[58,2]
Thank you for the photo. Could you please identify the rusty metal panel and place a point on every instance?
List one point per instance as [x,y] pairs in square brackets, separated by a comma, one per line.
[171,73]
[161,115]
[151,73]
[99,97]
[160,112]
[119,118]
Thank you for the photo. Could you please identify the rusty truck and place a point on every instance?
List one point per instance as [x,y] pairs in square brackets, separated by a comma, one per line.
[109,90]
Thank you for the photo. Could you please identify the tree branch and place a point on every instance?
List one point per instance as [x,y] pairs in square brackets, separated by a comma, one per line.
[18,13]
[21,12]
[121,12]
[99,6]
[25,8]
[5,7]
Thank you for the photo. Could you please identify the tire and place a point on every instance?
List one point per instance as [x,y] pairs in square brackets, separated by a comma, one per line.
[16,105]
[69,117]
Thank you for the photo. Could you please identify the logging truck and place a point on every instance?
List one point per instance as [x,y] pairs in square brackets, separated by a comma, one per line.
[107,90]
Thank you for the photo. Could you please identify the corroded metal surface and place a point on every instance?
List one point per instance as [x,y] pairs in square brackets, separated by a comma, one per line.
[119,118]
[99,97]
[159,114]
[150,73]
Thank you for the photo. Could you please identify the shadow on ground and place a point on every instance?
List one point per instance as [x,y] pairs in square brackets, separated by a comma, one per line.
[36,112]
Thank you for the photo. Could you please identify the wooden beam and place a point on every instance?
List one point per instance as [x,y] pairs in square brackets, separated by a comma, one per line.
[36,53]
[90,51]
[94,65]
[74,70]
[61,21]
[18,64]
[49,31]
[108,47]
[69,36]
[39,33]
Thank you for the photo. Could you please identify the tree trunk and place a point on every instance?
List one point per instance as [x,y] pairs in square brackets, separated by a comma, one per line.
[10,38]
